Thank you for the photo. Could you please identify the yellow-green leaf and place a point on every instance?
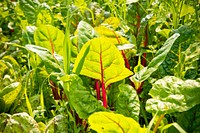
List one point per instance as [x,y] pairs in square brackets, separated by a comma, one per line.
[112,22]
[106,122]
[102,62]
[49,37]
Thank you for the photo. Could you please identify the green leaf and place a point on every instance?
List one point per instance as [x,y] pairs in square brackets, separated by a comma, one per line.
[172,94]
[30,9]
[186,9]
[112,22]
[81,98]
[156,61]
[106,122]
[49,37]
[9,94]
[189,60]
[185,39]
[85,33]
[103,61]
[20,122]
[128,102]
[116,38]
[59,124]
[47,58]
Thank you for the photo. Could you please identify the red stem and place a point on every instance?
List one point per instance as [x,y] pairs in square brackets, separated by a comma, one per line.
[126,60]
[102,83]
[97,87]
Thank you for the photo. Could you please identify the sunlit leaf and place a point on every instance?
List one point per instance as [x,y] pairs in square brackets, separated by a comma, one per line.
[49,37]
[9,94]
[186,9]
[106,122]
[103,61]
[172,94]
[111,34]
[112,22]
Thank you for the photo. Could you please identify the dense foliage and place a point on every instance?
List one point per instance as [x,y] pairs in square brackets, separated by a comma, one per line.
[122,66]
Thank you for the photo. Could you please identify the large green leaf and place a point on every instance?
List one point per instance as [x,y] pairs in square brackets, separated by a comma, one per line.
[172,94]
[156,61]
[9,94]
[106,122]
[103,61]
[30,9]
[16,123]
[128,102]
[48,59]
[49,37]
[81,98]
[85,33]
[186,38]
[58,124]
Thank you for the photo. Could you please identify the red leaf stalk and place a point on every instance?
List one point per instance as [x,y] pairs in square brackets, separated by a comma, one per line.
[97,88]
[102,83]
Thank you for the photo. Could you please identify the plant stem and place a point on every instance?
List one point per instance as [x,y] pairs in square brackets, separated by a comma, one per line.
[102,82]
[97,88]
[104,95]
[126,60]
[158,123]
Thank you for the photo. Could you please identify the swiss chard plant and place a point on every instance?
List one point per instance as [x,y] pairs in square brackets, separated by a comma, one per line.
[99,66]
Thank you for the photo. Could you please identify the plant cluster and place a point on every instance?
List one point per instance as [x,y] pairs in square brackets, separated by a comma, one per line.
[123,66]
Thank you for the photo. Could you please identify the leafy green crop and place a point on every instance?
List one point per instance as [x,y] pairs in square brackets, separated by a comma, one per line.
[172,94]
[99,66]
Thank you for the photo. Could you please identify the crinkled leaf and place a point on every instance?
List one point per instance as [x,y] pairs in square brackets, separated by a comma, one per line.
[185,39]
[30,9]
[172,94]
[59,124]
[103,61]
[106,122]
[85,33]
[49,37]
[9,94]
[20,122]
[81,98]
[47,58]
[128,102]
[156,61]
